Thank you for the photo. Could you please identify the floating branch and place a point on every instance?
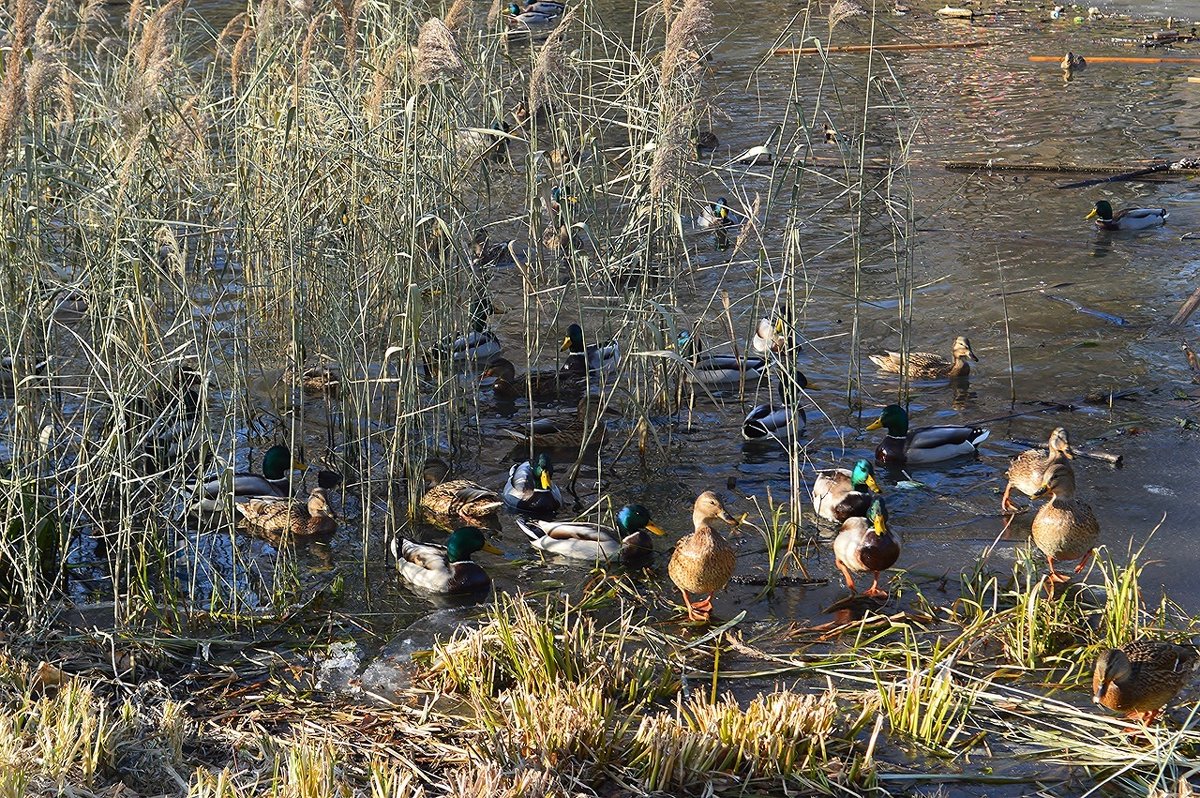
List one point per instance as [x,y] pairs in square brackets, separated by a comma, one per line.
[1087,454]
[1119,59]
[866,48]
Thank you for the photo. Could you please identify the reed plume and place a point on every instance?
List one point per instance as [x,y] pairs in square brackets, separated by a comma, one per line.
[437,56]
[551,62]
[685,39]
[843,10]
[668,169]
[457,15]
[12,91]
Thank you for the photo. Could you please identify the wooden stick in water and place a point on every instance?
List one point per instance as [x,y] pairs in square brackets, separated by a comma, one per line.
[1121,59]
[1087,454]
[866,48]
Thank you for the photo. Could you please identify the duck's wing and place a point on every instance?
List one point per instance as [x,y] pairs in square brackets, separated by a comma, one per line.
[935,437]
[425,556]
[520,485]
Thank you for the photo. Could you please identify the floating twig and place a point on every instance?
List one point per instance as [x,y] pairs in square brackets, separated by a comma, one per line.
[1100,314]
[1087,454]
[1119,59]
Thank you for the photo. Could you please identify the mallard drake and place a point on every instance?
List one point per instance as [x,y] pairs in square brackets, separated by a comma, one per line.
[481,142]
[924,444]
[778,420]
[717,214]
[589,358]
[280,516]
[1065,528]
[277,467]
[565,432]
[456,499]
[929,366]
[530,488]
[1026,471]
[1126,218]
[530,22]
[841,493]
[703,561]
[1139,678]
[866,545]
[547,7]
[1073,62]
[592,542]
[435,569]
[540,386]
[711,368]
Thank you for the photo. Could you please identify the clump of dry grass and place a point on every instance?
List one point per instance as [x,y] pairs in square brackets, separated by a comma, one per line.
[842,10]
[438,60]
[458,14]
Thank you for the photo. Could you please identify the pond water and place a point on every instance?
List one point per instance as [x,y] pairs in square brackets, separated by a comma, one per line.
[979,234]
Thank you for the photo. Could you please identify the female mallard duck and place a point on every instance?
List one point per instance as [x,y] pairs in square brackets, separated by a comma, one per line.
[435,569]
[717,214]
[839,493]
[540,386]
[529,488]
[456,499]
[930,366]
[924,444]
[566,432]
[1065,528]
[320,377]
[280,516]
[1126,218]
[711,368]
[589,358]
[780,420]
[866,545]
[703,561]
[1139,678]
[1073,62]
[592,542]
[276,476]
[1026,471]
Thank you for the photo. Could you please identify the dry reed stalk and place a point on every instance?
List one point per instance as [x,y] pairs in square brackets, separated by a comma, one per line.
[494,11]
[134,17]
[551,61]
[457,15]
[68,87]
[437,55]
[232,30]
[685,39]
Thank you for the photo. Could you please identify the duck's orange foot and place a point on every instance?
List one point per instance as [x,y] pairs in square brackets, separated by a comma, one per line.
[876,593]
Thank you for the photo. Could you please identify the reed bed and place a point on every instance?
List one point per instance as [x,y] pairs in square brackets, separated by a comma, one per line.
[192,213]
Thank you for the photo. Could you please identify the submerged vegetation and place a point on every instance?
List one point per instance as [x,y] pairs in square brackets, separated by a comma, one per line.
[311,227]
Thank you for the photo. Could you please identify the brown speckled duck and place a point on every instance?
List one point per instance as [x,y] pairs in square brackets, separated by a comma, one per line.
[566,432]
[1025,470]
[281,516]
[1065,528]
[1139,678]
[927,365]
[456,500]
[703,561]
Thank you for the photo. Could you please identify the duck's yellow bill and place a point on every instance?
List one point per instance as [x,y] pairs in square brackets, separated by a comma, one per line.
[872,483]
[545,481]
[876,424]
[655,528]
[1091,215]
[880,525]
[779,326]
[566,344]
[490,549]
[298,465]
